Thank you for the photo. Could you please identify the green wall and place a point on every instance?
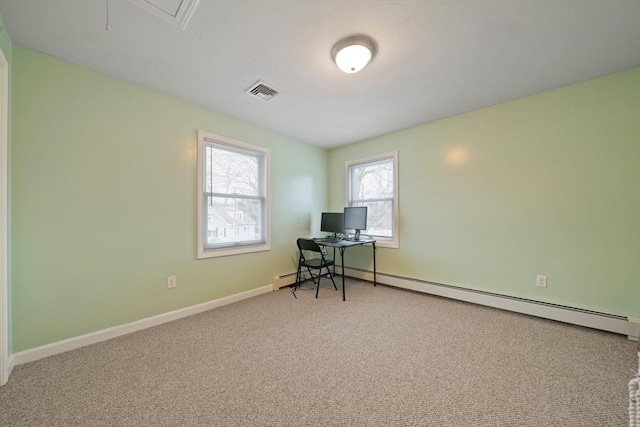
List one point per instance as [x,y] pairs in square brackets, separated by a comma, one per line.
[103,187]
[548,184]
[104,202]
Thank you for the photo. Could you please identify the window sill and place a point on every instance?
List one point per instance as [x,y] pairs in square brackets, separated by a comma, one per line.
[215,253]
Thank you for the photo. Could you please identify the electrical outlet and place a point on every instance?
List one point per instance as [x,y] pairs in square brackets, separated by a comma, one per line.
[541,281]
[171,282]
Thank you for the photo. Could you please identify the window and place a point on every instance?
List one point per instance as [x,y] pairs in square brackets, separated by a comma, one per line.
[233,190]
[373,182]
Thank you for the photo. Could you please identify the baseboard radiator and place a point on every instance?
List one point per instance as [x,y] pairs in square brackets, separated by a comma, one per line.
[284,280]
[592,319]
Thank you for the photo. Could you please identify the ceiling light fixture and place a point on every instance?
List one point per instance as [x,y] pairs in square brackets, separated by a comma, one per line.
[353,53]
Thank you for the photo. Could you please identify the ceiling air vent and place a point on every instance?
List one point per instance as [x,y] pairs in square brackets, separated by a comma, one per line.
[262,91]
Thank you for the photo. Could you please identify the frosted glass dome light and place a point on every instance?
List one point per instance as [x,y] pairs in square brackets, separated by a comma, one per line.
[353,53]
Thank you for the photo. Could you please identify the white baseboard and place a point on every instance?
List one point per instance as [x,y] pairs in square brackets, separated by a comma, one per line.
[591,319]
[7,370]
[116,331]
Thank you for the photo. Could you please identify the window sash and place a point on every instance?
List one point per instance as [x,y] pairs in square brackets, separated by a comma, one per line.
[259,158]
[373,226]
[231,230]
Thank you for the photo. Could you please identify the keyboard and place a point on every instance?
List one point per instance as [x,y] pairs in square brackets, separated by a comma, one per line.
[327,239]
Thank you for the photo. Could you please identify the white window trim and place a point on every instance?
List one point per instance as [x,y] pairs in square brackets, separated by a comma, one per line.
[381,242]
[202,254]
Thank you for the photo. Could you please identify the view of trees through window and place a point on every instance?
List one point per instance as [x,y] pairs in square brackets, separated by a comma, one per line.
[234,196]
[372,185]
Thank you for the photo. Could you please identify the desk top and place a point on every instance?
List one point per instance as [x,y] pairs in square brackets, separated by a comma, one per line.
[344,243]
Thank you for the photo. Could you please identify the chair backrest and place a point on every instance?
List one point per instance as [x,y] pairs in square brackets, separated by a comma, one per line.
[308,245]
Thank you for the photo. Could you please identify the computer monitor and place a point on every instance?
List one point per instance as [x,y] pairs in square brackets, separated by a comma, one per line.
[332,222]
[355,217]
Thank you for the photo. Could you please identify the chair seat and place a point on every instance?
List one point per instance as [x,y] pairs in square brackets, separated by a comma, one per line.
[316,263]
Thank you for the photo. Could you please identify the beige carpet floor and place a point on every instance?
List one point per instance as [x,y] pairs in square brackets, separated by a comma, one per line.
[385,357]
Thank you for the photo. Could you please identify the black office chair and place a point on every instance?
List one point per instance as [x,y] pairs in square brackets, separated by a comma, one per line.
[312,263]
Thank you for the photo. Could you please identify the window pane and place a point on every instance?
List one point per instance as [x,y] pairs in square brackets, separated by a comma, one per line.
[233,221]
[231,172]
[379,218]
[372,181]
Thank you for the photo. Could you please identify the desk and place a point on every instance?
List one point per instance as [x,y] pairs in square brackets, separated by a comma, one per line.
[342,245]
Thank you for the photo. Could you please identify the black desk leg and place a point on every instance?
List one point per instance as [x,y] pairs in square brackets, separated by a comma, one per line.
[334,261]
[374,263]
[344,298]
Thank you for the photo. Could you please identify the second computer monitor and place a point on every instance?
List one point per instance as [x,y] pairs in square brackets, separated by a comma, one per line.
[355,217]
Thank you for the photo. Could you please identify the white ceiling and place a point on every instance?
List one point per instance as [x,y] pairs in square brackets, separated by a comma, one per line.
[435,58]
